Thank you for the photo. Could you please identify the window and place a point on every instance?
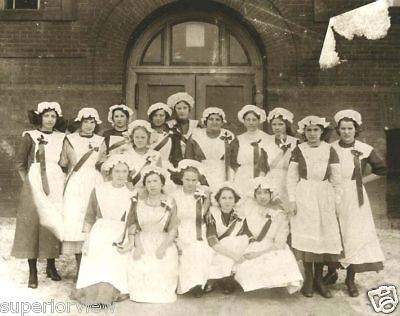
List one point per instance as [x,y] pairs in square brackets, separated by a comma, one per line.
[22,4]
[195,43]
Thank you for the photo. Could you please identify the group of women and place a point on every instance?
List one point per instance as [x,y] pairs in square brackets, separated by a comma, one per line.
[170,205]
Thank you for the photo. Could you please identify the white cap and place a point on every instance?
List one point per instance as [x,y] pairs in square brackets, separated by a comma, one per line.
[351,114]
[85,113]
[159,106]
[43,106]
[114,160]
[213,110]
[311,120]
[280,112]
[178,97]
[119,107]
[139,123]
[251,108]
[189,163]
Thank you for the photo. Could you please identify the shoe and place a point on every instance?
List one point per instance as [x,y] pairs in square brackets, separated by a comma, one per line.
[227,286]
[33,280]
[208,288]
[121,297]
[319,286]
[197,291]
[351,286]
[330,278]
[52,273]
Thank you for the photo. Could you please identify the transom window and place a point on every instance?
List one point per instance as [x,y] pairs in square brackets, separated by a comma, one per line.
[195,43]
[22,4]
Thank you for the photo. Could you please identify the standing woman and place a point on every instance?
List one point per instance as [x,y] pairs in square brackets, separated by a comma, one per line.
[158,114]
[119,116]
[192,204]
[361,245]
[79,156]
[181,104]
[139,151]
[153,266]
[279,150]
[108,230]
[252,158]
[314,187]
[41,195]
[216,147]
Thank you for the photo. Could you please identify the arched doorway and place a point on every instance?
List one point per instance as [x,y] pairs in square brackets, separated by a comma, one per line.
[207,54]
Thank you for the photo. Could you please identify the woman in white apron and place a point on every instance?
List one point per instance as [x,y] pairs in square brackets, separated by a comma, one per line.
[279,149]
[102,275]
[79,155]
[268,261]
[39,218]
[192,203]
[158,115]
[361,244]
[181,125]
[153,265]
[314,188]
[139,150]
[215,147]
[225,234]
[252,158]
[119,116]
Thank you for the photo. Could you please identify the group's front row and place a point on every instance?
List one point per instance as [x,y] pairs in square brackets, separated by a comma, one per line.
[149,246]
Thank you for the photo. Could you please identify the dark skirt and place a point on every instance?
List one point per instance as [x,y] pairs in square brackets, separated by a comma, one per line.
[32,240]
[317,257]
[365,267]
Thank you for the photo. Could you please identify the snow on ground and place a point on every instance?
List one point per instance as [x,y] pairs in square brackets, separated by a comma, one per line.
[54,296]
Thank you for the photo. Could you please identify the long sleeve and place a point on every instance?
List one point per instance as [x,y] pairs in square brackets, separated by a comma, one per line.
[234,150]
[377,164]
[293,175]
[193,150]
[67,157]
[92,213]
[23,156]
[335,177]
[264,166]
[211,230]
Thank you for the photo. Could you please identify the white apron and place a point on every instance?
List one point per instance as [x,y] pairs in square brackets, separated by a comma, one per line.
[196,254]
[214,151]
[49,207]
[153,280]
[315,227]
[80,185]
[245,172]
[221,265]
[103,262]
[275,268]
[361,244]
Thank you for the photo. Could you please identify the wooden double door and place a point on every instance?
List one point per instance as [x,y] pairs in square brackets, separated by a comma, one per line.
[227,91]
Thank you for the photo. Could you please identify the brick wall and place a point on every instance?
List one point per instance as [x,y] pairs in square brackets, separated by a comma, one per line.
[79,60]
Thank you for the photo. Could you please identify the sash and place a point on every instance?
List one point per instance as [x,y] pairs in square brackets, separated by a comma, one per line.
[163,142]
[358,176]
[256,158]
[41,158]
[116,145]
[132,210]
[199,219]
[265,229]
[230,229]
[136,177]
[227,157]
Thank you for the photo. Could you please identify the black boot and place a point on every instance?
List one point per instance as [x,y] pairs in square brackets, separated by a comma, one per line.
[33,279]
[332,275]
[227,285]
[307,289]
[78,258]
[51,270]
[351,286]
[318,283]
[197,291]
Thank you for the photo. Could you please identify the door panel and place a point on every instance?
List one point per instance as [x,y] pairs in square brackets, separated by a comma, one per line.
[227,91]
[154,88]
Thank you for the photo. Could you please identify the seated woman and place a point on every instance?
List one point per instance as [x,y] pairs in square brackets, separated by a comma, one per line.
[268,261]
[225,234]
[102,276]
[192,204]
[153,266]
